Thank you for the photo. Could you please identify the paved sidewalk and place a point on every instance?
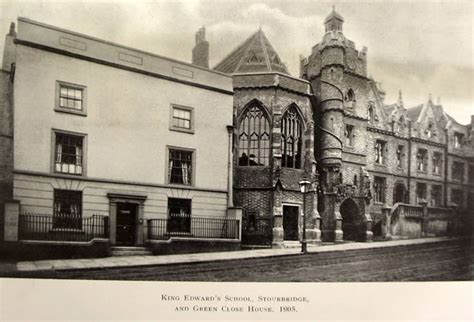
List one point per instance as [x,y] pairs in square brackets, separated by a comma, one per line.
[135,261]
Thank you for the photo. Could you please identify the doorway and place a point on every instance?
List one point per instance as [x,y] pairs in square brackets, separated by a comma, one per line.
[126,224]
[290,222]
[350,213]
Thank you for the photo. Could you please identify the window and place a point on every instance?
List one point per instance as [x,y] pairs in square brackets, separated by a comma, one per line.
[379,189]
[182,119]
[458,138]
[68,154]
[291,132]
[349,135]
[180,166]
[70,98]
[350,95]
[429,131]
[67,209]
[471,173]
[371,114]
[457,197]
[437,162]
[435,200]
[421,160]
[458,171]
[179,216]
[380,147]
[254,138]
[420,192]
[400,154]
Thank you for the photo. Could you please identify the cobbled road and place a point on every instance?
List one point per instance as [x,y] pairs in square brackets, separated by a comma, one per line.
[450,261]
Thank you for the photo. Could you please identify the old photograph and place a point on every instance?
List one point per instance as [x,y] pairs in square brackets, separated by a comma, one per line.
[317,141]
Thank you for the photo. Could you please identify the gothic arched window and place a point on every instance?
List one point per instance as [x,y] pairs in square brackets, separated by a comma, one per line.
[254,138]
[291,139]
[350,96]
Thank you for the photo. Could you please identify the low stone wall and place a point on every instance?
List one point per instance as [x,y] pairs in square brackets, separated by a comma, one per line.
[188,246]
[35,250]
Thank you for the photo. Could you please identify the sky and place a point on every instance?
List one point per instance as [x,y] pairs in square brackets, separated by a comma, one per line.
[418,47]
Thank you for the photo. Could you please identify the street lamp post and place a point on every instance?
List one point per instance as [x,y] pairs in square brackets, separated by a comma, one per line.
[304,184]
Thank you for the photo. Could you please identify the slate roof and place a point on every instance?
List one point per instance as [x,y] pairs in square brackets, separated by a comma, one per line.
[255,54]
[414,112]
[332,15]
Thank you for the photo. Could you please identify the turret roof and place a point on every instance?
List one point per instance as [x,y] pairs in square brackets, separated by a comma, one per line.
[255,54]
[333,15]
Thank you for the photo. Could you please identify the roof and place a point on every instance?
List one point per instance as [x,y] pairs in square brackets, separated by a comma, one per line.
[333,15]
[255,54]
[390,108]
[414,112]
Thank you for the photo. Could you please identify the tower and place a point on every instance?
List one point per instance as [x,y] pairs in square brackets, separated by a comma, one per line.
[335,70]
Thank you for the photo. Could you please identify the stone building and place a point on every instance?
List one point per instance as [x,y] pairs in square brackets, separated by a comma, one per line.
[360,154]
[125,133]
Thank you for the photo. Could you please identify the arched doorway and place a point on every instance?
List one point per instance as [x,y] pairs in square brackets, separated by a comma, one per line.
[399,193]
[350,214]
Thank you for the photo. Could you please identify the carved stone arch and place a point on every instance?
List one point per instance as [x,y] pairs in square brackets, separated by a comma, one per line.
[254,132]
[298,110]
[252,103]
[351,219]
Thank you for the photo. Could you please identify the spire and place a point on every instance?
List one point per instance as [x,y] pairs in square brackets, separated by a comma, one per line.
[430,98]
[400,98]
[255,54]
[334,21]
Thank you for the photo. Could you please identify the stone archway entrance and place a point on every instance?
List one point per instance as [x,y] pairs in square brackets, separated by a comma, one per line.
[399,193]
[350,219]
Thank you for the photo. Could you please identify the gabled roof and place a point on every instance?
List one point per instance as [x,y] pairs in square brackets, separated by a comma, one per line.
[414,112]
[255,54]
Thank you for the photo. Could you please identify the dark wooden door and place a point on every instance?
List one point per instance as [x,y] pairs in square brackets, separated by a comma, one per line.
[290,222]
[126,224]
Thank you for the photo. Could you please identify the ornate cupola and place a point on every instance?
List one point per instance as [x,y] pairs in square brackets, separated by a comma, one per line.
[334,21]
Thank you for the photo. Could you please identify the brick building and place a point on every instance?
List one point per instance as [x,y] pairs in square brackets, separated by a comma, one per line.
[359,153]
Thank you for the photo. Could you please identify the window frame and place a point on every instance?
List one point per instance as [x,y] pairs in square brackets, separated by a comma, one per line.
[54,133]
[400,156]
[349,135]
[59,108]
[458,139]
[425,190]
[264,153]
[187,219]
[298,136]
[169,148]
[439,198]
[383,182]
[455,167]
[383,149]
[189,109]
[437,163]
[419,154]
[76,226]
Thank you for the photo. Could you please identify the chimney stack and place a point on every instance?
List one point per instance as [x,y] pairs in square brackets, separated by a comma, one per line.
[201,49]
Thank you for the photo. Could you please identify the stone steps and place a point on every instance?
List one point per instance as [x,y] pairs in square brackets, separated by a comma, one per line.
[130,251]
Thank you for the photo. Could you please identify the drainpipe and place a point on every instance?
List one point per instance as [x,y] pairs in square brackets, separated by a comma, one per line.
[230,202]
[445,189]
[409,162]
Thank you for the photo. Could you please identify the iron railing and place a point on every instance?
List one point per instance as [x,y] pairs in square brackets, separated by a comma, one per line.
[62,227]
[257,231]
[195,227]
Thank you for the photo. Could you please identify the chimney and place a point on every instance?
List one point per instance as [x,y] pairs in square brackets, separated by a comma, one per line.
[201,49]
[9,49]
